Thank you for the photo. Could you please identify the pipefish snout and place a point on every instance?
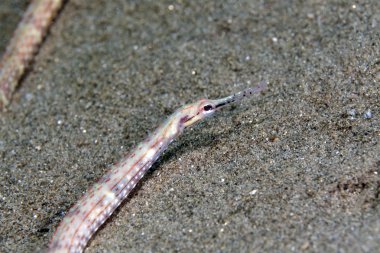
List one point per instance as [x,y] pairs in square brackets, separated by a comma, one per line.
[93,209]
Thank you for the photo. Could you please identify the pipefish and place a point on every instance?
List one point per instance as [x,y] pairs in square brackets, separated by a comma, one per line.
[93,209]
[24,44]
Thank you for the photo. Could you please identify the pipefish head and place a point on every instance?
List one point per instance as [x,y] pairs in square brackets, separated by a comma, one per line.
[192,113]
[204,108]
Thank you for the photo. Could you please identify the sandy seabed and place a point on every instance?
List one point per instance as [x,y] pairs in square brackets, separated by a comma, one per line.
[294,169]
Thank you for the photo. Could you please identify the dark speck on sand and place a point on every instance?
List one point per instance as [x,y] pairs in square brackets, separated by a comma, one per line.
[294,169]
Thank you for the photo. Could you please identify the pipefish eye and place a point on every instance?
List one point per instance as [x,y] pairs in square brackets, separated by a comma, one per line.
[208,108]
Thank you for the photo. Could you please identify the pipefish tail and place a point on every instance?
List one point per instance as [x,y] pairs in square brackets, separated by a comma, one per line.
[24,44]
[93,209]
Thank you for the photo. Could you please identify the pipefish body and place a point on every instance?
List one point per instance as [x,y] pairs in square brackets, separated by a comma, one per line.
[85,217]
